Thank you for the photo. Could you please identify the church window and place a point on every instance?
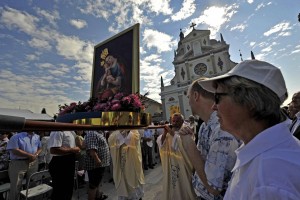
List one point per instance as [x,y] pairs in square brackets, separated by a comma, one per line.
[220,63]
[182,73]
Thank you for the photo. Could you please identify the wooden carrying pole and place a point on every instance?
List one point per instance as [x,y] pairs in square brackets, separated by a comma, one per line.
[12,123]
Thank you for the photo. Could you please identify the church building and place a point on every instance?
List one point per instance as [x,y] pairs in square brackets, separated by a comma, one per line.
[196,56]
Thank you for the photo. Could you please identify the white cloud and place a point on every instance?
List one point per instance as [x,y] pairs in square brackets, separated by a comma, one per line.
[281,27]
[284,34]
[250,1]
[139,17]
[36,92]
[252,44]
[188,8]
[78,23]
[166,21]
[153,58]
[260,56]
[267,49]
[31,57]
[51,17]
[240,27]
[123,14]
[214,17]
[262,5]
[73,48]
[295,51]
[45,65]
[150,74]
[161,41]
[13,18]
[142,51]
[40,44]
[162,6]
[97,8]
[84,69]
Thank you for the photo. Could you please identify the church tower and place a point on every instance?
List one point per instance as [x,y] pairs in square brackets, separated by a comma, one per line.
[196,56]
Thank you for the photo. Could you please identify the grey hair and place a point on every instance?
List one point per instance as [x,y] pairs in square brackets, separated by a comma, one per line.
[261,101]
[178,115]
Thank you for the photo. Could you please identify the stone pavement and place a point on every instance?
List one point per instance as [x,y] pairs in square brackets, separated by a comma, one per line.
[152,188]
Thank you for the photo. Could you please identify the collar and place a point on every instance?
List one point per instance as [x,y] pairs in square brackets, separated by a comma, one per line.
[262,142]
[213,119]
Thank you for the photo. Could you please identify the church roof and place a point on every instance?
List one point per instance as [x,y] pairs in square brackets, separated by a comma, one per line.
[195,33]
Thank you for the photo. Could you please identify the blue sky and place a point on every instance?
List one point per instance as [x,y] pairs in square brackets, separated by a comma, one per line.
[46,52]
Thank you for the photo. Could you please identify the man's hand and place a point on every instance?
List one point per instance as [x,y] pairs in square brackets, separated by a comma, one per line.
[98,162]
[75,150]
[185,130]
[33,157]
[167,129]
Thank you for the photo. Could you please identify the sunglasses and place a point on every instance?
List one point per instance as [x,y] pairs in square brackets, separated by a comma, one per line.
[218,97]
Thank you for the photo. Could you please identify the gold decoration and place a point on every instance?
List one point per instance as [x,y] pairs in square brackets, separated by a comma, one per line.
[103,56]
[118,119]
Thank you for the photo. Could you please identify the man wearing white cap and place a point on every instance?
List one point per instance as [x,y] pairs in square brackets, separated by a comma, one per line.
[247,101]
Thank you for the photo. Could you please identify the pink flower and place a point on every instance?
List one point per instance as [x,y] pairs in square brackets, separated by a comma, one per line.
[114,101]
[126,100]
[73,104]
[137,104]
[116,106]
[100,106]
[119,96]
[131,102]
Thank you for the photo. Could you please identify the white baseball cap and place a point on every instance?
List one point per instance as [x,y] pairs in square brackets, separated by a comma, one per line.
[257,71]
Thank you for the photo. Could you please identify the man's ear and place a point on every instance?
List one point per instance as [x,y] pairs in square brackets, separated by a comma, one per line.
[196,96]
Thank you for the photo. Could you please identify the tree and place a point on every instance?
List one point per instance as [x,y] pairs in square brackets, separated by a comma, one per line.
[44,111]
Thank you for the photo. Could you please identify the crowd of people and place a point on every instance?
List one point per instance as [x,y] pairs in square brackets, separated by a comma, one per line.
[246,148]
[125,154]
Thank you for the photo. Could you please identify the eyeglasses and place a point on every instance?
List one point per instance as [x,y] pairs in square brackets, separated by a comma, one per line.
[218,96]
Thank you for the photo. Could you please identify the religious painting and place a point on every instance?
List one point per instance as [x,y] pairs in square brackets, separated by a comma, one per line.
[116,65]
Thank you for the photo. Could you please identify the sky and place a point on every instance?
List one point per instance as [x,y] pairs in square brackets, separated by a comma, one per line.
[46,47]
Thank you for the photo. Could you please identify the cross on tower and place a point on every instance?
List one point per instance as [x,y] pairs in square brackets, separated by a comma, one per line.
[193,25]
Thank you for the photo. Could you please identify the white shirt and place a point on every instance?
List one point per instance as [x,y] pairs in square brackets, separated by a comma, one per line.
[61,139]
[267,167]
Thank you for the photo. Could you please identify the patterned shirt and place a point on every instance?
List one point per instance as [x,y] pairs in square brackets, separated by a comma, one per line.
[4,155]
[96,141]
[217,148]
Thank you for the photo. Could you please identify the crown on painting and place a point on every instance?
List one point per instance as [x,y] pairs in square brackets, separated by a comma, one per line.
[103,55]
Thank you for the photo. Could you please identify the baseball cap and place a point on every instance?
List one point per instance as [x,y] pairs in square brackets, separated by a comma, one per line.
[257,71]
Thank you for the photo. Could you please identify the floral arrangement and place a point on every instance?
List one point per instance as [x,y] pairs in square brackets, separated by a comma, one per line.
[118,102]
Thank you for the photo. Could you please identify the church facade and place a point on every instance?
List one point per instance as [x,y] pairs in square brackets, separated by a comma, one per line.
[196,56]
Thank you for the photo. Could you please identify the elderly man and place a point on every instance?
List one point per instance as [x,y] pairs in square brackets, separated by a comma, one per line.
[24,149]
[215,147]
[247,101]
[295,126]
[177,167]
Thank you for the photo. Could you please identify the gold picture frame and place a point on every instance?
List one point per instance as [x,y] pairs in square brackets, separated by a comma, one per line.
[116,65]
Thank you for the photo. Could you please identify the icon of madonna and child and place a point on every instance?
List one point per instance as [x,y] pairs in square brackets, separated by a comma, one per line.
[114,77]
